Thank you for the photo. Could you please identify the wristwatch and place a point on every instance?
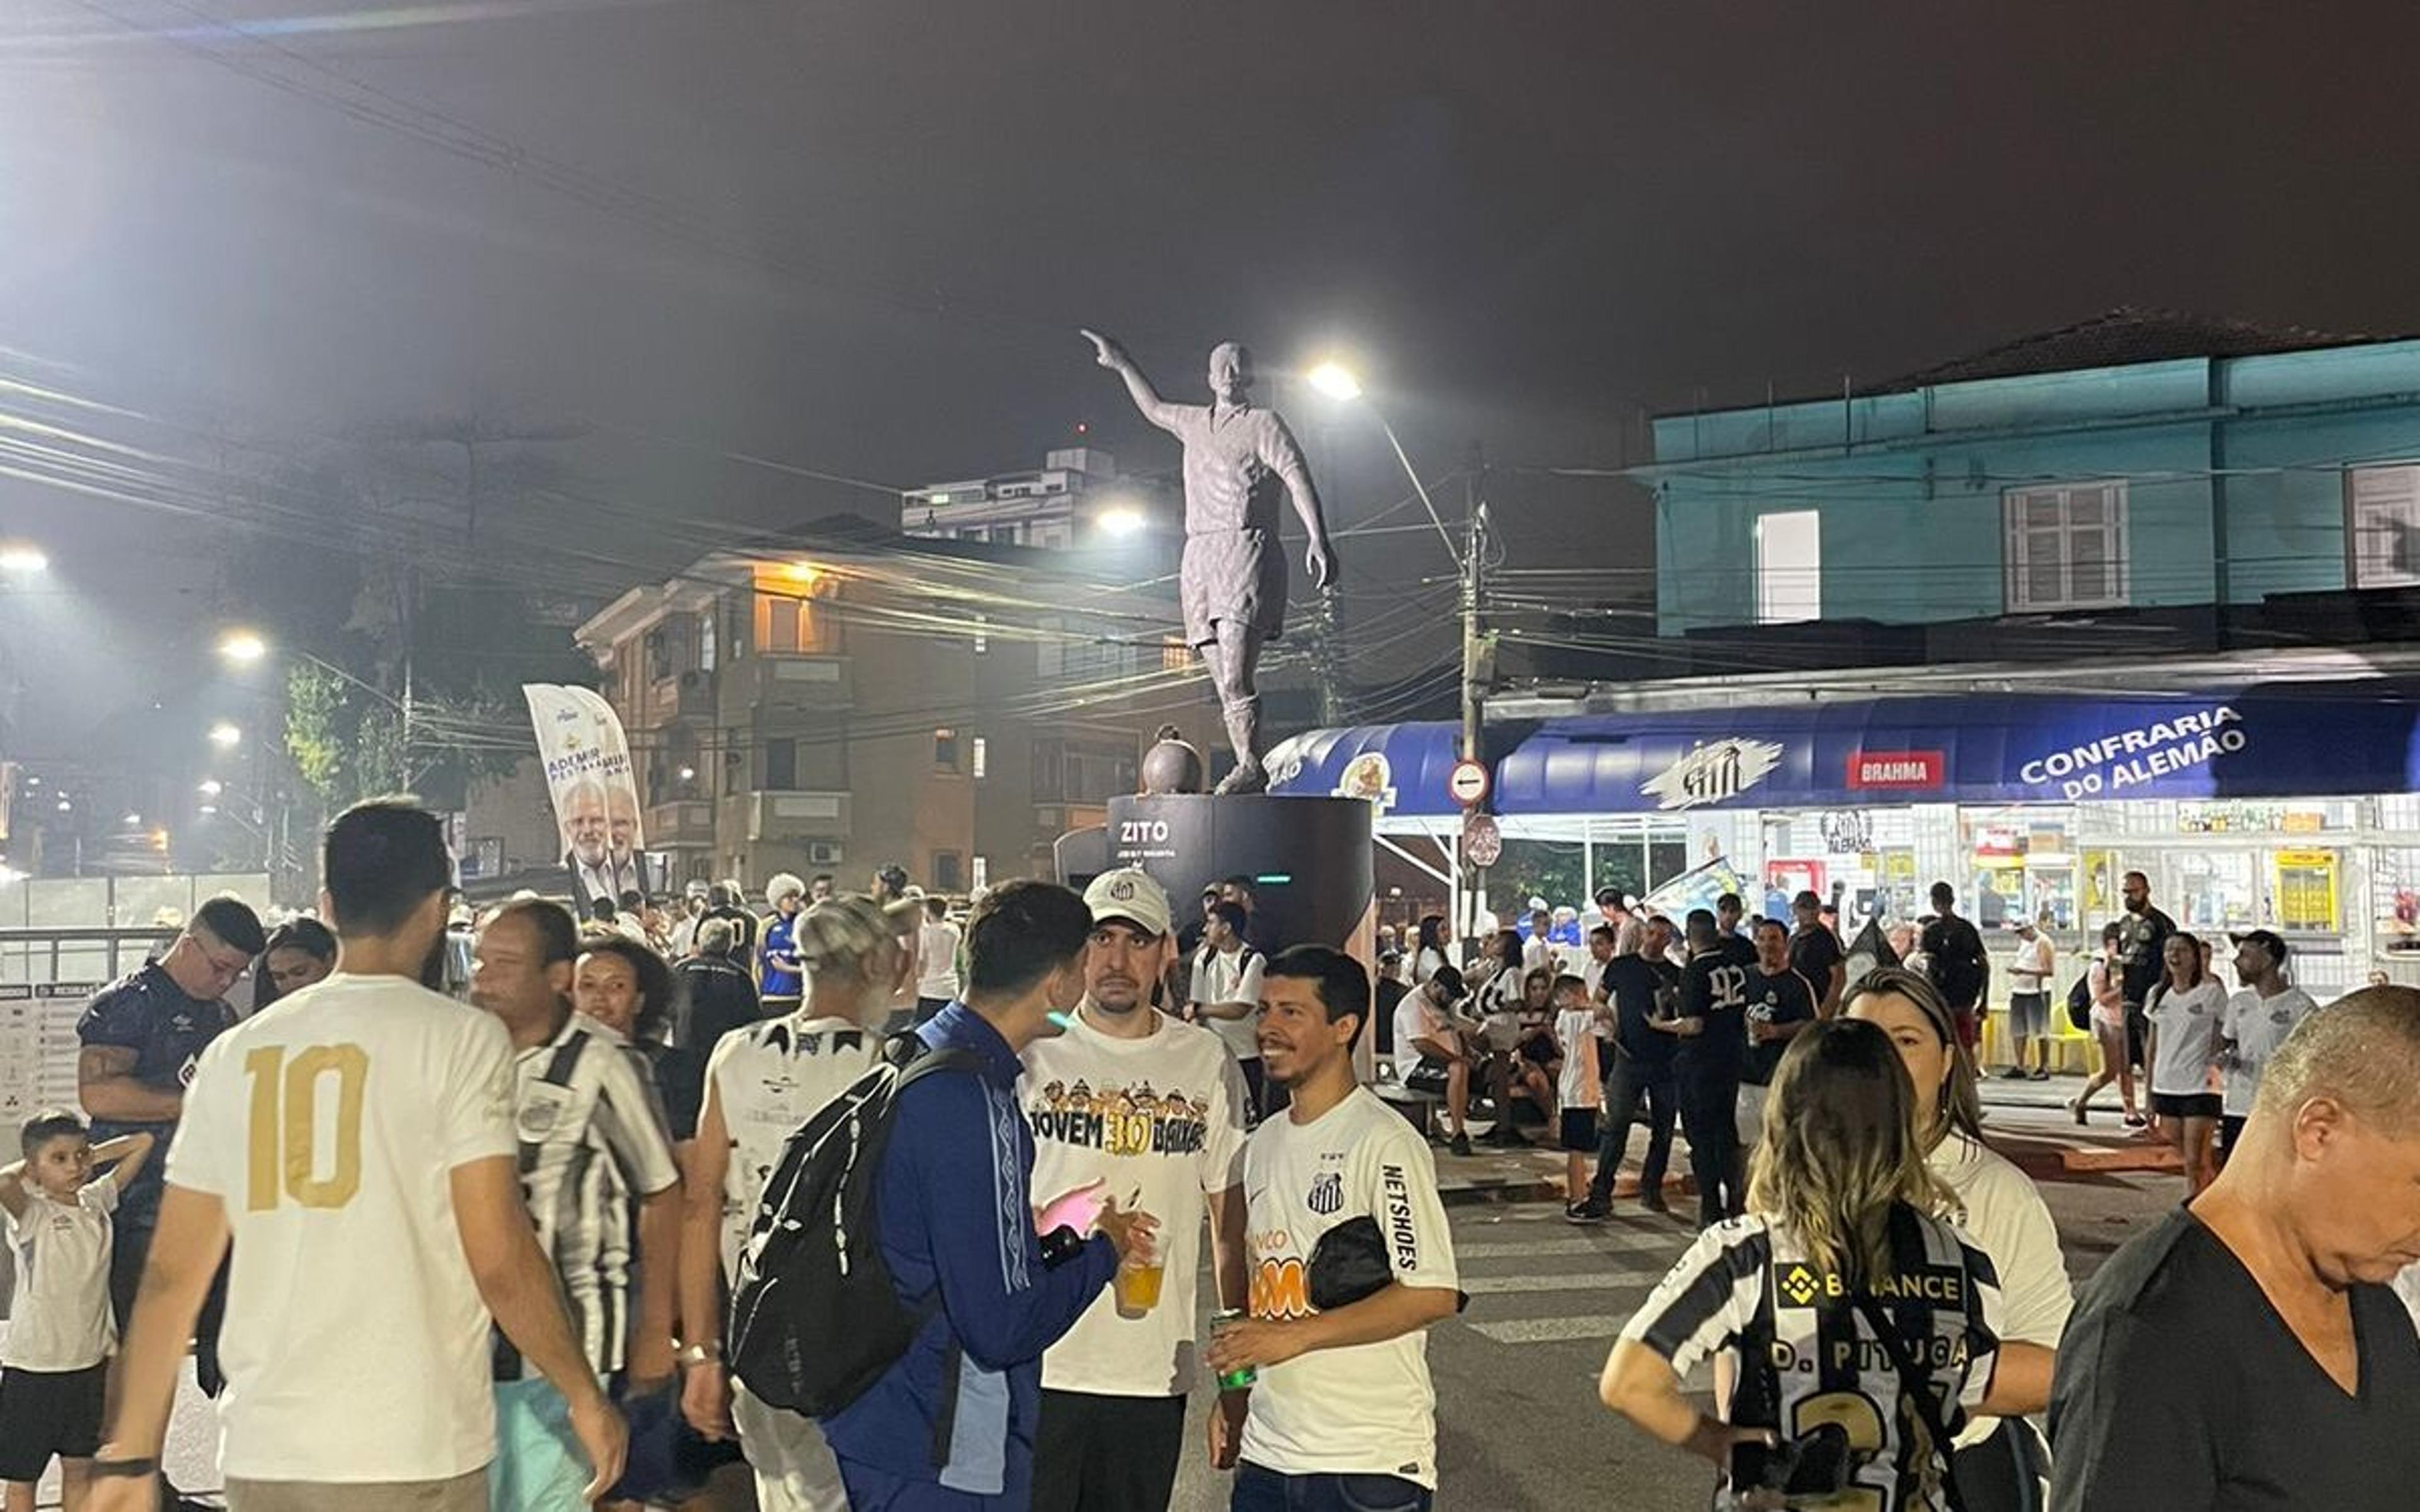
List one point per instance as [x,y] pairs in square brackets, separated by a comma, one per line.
[123,1469]
[704,1352]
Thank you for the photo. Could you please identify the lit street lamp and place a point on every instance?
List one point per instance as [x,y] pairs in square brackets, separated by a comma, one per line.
[226,736]
[23,559]
[212,787]
[1337,382]
[1119,519]
[243,647]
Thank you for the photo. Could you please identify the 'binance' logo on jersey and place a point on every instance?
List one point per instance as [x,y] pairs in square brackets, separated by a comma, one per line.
[1800,1284]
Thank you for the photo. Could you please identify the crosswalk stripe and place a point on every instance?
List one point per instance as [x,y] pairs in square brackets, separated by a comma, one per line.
[1608,1244]
[1498,1286]
[1546,1330]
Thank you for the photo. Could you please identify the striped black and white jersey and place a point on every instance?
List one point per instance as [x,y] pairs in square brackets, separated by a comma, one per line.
[591,1143]
[1806,1356]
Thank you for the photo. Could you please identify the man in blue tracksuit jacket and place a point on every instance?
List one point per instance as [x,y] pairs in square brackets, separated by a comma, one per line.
[950,1427]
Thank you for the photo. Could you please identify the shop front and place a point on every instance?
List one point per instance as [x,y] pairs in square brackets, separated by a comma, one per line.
[2289,807]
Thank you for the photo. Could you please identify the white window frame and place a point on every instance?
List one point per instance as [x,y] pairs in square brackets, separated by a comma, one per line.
[978,758]
[1791,592]
[2392,488]
[979,873]
[2016,546]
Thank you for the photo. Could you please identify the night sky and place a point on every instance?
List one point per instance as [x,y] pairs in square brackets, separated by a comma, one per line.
[857,239]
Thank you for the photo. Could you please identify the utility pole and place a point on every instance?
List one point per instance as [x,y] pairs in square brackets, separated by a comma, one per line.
[1474,656]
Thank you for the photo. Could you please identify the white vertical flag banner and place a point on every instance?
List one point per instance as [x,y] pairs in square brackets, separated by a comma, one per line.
[594,788]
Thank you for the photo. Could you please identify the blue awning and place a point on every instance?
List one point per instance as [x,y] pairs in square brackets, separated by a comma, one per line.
[1402,767]
[2279,741]
[2269,740]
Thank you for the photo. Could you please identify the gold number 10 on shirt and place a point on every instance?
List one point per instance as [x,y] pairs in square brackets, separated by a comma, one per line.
[285,1140]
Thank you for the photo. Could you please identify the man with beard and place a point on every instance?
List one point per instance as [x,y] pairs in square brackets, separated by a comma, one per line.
[2142,952]
[1342,1413]
[1113,1387]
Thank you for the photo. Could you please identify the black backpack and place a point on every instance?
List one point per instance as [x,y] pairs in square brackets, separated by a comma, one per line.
[815,1321]
[2079,1002]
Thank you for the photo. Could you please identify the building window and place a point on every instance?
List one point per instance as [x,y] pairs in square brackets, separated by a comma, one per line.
[706,640]
[946,874]
[980,877]
[1066,771]
[1174,655]
[1789,567]
[2065,546]
[980,754]
[781,765]
[2382,525]
[659,653]
[781,616]
[945,750]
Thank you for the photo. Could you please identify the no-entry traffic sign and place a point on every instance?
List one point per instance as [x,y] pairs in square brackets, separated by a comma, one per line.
[1468,782]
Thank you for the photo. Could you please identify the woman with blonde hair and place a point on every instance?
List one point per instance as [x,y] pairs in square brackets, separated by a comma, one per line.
[2002,1464]
[1855,1327]
[762,1082]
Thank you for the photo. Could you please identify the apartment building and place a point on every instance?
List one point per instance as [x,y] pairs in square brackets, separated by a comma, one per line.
[843,697]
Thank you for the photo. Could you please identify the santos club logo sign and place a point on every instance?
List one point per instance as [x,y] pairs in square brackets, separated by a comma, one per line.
[1713,772]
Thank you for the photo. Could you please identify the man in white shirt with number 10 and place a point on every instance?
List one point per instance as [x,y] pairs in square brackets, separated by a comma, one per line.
[356,1143]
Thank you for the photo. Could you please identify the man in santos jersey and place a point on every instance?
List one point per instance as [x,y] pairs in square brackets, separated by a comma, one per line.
[355,1141]
[1343,1415]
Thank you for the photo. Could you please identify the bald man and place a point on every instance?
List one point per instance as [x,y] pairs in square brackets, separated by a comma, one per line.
[2249,1352]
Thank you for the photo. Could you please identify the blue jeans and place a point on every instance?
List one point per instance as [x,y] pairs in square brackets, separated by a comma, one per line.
[1266,1490]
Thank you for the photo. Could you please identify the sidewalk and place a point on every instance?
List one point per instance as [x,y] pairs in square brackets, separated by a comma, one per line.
[2026,1122]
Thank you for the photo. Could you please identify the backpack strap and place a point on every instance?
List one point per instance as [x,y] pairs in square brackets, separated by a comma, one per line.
[1918,1387]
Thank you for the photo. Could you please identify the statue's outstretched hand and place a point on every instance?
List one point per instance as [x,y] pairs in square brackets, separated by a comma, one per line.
[1105,351]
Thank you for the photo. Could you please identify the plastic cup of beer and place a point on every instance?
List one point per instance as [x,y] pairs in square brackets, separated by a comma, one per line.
[1139,1288]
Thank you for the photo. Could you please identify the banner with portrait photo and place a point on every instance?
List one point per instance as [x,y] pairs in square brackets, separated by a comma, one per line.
[594,788]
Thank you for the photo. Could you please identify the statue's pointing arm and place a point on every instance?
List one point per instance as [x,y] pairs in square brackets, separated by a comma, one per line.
[1146,398]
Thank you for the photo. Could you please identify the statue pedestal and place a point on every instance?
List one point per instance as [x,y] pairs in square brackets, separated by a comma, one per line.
[1309,861]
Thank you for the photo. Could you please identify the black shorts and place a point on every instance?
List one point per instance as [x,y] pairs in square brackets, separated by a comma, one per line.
[2138,1033]
[2187,1105]
[1428,1076]
[47,1413]
[1579,1130]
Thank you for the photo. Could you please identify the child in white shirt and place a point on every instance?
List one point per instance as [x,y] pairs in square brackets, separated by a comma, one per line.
[52,1366]
[1575,1025]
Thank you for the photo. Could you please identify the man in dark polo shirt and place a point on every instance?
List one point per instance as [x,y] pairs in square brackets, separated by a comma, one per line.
[141,1036]
[2248,1352]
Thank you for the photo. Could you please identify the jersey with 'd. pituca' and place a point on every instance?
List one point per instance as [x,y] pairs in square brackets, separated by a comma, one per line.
[1807,1354]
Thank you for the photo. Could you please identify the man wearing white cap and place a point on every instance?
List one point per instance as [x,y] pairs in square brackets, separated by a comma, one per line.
[1133,1105]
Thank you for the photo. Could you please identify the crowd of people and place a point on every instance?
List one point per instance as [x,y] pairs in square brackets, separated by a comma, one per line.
[489,1252]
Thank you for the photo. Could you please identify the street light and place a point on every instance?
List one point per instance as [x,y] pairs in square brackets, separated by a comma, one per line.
[243,647]
[211,787]
[226,736]
[1119,519]
[25,559]
[1337,381]
[134,821]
